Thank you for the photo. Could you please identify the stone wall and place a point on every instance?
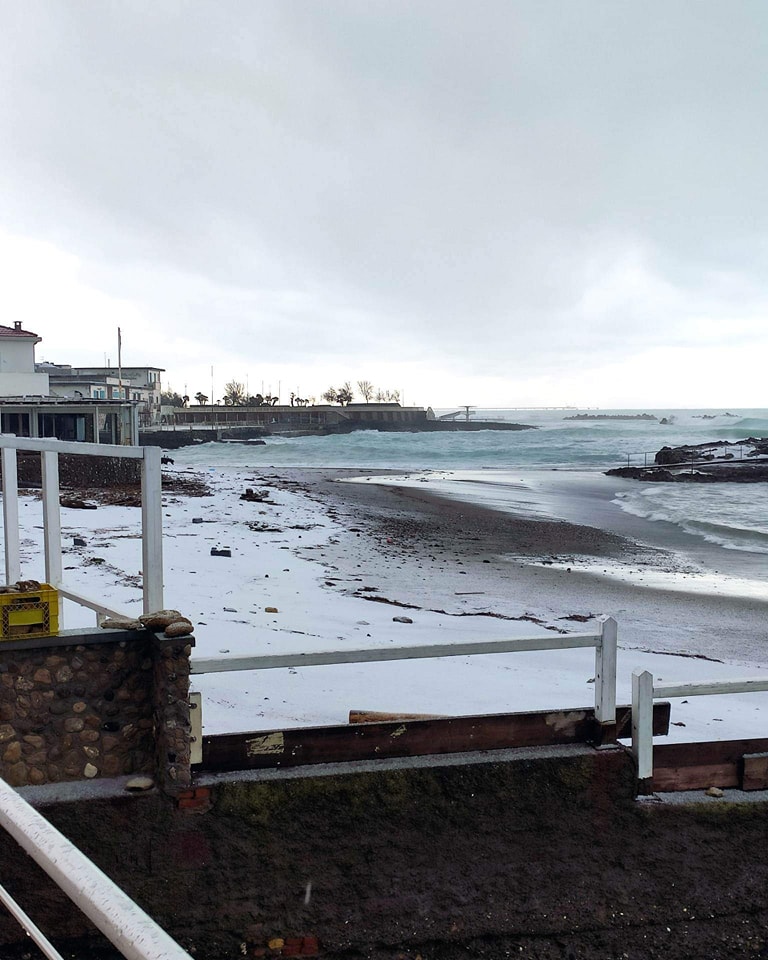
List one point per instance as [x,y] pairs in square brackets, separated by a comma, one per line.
[526,853]
[80,471]
[93,705]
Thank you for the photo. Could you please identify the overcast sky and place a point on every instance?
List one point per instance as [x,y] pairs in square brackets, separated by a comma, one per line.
[523,202]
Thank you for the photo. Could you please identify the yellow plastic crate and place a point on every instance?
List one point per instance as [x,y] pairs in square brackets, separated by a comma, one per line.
[29,614]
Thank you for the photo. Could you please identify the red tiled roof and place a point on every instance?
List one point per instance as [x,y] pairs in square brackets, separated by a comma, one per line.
[15,332]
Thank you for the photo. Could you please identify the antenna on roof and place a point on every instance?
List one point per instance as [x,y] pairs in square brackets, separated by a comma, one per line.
[119,364]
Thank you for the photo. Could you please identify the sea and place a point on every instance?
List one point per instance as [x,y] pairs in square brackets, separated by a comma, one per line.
[558,470]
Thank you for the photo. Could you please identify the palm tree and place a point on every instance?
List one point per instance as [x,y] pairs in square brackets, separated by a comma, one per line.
[344,394]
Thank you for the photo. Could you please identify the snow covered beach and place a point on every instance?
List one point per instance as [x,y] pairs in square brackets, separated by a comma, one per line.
[336,559]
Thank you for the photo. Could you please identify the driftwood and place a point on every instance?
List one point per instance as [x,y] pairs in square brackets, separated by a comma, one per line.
[374,716]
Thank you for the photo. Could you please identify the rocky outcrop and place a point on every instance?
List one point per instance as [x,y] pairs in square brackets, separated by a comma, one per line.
[735,461]
[735,473]
[611,416]
[717,449]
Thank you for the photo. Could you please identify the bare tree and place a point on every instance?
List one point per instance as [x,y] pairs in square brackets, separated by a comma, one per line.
[387,396]
[330,395]
[366,390]
[234,394]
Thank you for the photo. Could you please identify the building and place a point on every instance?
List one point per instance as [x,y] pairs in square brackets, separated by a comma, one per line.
[18,375]
[29,406]
[354,416]
[140,385]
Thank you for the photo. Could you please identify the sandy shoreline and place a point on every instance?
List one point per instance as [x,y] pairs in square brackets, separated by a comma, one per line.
[319,564]
[468,558]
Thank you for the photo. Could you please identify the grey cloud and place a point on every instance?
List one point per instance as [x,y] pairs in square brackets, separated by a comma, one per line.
[449,173]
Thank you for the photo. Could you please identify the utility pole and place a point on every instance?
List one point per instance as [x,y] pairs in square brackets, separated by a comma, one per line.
[119,363]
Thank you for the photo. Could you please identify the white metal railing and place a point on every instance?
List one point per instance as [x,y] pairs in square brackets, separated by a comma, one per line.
[719,452]
[123,922]
[151,514]
[645,691]
[604,642]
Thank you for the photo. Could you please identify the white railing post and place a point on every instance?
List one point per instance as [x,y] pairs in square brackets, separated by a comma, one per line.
[605,672]
[11,515]
[152,529]
[642,727]
[51,517]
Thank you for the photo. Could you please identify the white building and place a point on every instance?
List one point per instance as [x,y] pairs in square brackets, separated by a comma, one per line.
[28,409]
[18,377]
[141,385]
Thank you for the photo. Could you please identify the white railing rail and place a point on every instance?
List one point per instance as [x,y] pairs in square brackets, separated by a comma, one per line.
[719,452]
[123,922]
[645,691]
[604,642]
[31,929]
[151,514]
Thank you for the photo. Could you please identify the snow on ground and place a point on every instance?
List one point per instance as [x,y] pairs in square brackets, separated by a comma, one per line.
[285,554]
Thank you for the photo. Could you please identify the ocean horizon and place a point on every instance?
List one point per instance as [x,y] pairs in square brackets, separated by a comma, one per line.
[515,470]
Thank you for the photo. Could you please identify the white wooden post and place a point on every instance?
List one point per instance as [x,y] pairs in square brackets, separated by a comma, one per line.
[642,727]
[605,672]
[196,724]
[11,515]
[51,517]
[152,529]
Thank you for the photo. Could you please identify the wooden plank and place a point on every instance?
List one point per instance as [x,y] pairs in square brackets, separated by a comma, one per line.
[377,716]
[662,711]
[283,748]
[755,772]
[668,779]
[694,766]
[696,754]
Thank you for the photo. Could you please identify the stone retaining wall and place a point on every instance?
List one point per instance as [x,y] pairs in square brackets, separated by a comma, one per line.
[95,705]
[81,471]
[537,854]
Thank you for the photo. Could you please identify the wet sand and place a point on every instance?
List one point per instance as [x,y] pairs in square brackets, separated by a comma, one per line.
[439,553]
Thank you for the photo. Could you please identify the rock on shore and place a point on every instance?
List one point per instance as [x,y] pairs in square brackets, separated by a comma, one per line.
[704,463]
